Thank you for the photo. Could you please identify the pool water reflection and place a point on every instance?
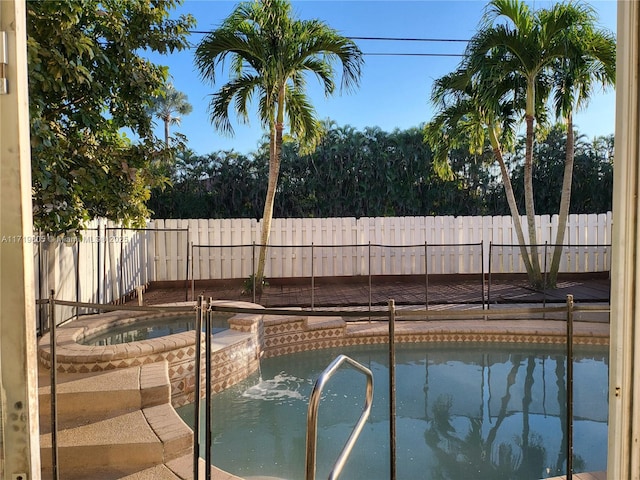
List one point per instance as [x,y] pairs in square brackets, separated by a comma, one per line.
[480,411]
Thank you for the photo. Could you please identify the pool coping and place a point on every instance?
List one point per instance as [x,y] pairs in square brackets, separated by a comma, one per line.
[298,333]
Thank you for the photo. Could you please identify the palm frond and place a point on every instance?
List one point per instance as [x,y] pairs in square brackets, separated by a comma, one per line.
[263,41]
[515,11]
[240,91]
[322,70]
[302,118]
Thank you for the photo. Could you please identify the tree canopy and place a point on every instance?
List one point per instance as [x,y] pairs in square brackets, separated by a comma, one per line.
[372,173]
[89,83]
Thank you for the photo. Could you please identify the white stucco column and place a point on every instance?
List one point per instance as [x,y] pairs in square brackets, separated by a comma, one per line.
[18,365]
[624,384]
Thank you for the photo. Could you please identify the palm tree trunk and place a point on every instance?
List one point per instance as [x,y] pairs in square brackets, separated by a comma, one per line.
[565,200]
[511,200]
[275,148]
[267,214]
[504,403]
[535,277]
[166,132]
[527,398]
[562,403]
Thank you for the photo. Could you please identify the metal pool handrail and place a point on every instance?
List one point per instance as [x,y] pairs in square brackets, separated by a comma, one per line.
[312,417]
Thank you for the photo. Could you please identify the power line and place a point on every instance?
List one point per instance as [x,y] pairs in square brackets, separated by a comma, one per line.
[393,39]
[394,54]
[401,39]
[390,39]
[415,54]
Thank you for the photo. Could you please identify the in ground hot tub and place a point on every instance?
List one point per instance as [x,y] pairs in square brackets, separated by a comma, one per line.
[234,355]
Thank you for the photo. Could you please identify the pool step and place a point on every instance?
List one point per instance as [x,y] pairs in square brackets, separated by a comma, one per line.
[183,468]
[160,472]
[87,396]
[122,441]
[115,424]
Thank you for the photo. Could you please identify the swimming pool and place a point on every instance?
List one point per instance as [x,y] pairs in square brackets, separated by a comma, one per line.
[478,411]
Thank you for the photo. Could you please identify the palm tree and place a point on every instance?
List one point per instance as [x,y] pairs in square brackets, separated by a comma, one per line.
[472,112]
[574,80]
[526,45]
[168,107]
[270,54]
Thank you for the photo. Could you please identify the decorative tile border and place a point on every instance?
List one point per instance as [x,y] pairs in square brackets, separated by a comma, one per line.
[282,339]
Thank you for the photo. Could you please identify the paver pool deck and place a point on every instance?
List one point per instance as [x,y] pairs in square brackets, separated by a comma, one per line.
[406,291]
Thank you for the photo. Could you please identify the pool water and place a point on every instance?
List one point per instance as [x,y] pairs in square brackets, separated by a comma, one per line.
[146,329]
[481,412]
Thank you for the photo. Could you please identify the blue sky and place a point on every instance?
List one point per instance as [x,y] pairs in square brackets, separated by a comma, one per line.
[394,90]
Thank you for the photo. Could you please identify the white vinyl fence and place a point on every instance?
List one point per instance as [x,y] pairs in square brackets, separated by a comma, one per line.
[104,265]
[381,246]
[110,262]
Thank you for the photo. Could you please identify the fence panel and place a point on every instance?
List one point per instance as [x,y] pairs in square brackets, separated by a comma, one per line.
[603,240]
[64,280]
[88,256]
[132,258]
[142,244]
[160,258]
[544,230]
[152,250]
[233,266]
[172,258]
